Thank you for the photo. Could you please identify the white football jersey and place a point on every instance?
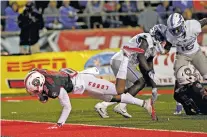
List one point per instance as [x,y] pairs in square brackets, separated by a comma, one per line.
[188,44]
[135,43]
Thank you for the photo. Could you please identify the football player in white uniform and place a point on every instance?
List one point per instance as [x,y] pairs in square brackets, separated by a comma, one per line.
[183,35]
[56,84]
[151,43]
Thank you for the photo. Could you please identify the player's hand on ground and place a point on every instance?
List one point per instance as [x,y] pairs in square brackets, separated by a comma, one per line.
[153,77]
[56,126]
[154,95]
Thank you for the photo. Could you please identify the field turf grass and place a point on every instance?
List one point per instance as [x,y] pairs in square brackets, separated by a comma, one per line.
[83,113]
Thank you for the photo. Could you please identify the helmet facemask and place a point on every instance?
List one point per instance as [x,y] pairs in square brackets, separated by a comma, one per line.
[178,31]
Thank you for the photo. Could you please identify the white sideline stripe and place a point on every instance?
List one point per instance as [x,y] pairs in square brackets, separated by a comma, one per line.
[180,131]
[13,100]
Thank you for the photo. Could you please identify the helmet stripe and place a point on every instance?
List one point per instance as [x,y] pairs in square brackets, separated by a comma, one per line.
[171,20]
[180,17]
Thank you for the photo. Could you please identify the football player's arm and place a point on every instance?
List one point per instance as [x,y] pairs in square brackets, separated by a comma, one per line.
[203,22]
[143,62]
[150,63]
[153,84]
[141,58]
[65,103]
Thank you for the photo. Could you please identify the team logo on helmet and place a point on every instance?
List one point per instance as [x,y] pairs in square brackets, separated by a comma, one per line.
[36,82]
[188,71]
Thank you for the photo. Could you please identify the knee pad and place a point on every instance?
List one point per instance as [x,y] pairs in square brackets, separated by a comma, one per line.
[138,85]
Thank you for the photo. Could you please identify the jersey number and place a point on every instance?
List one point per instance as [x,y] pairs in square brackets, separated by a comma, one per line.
[69,71]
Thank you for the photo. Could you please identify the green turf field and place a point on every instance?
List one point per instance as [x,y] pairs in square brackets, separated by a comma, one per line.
[83,113]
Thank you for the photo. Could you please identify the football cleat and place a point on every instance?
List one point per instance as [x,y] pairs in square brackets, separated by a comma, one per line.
[122,111]
[102,110]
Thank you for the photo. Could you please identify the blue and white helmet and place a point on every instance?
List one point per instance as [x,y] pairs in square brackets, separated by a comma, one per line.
[176,24]
[156,33]
[158,37]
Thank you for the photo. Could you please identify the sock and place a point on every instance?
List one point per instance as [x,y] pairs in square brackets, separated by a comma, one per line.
[179,107]
[177,103]
[123,68]
[129,99]
[106,104]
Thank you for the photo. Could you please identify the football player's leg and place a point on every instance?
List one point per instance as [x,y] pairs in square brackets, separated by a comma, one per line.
[121,74]
[126,97]
[149,82]
[119,70]
[188,104]
[200,62]
[135,83]
[100,87]
[129,99]
[179,107]
[121,108]
[100,108]
[138,85]
[180,61]
[131,74]
[134,76]
[115,65]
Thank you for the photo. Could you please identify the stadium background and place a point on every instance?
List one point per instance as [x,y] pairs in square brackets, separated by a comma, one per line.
[98,31]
